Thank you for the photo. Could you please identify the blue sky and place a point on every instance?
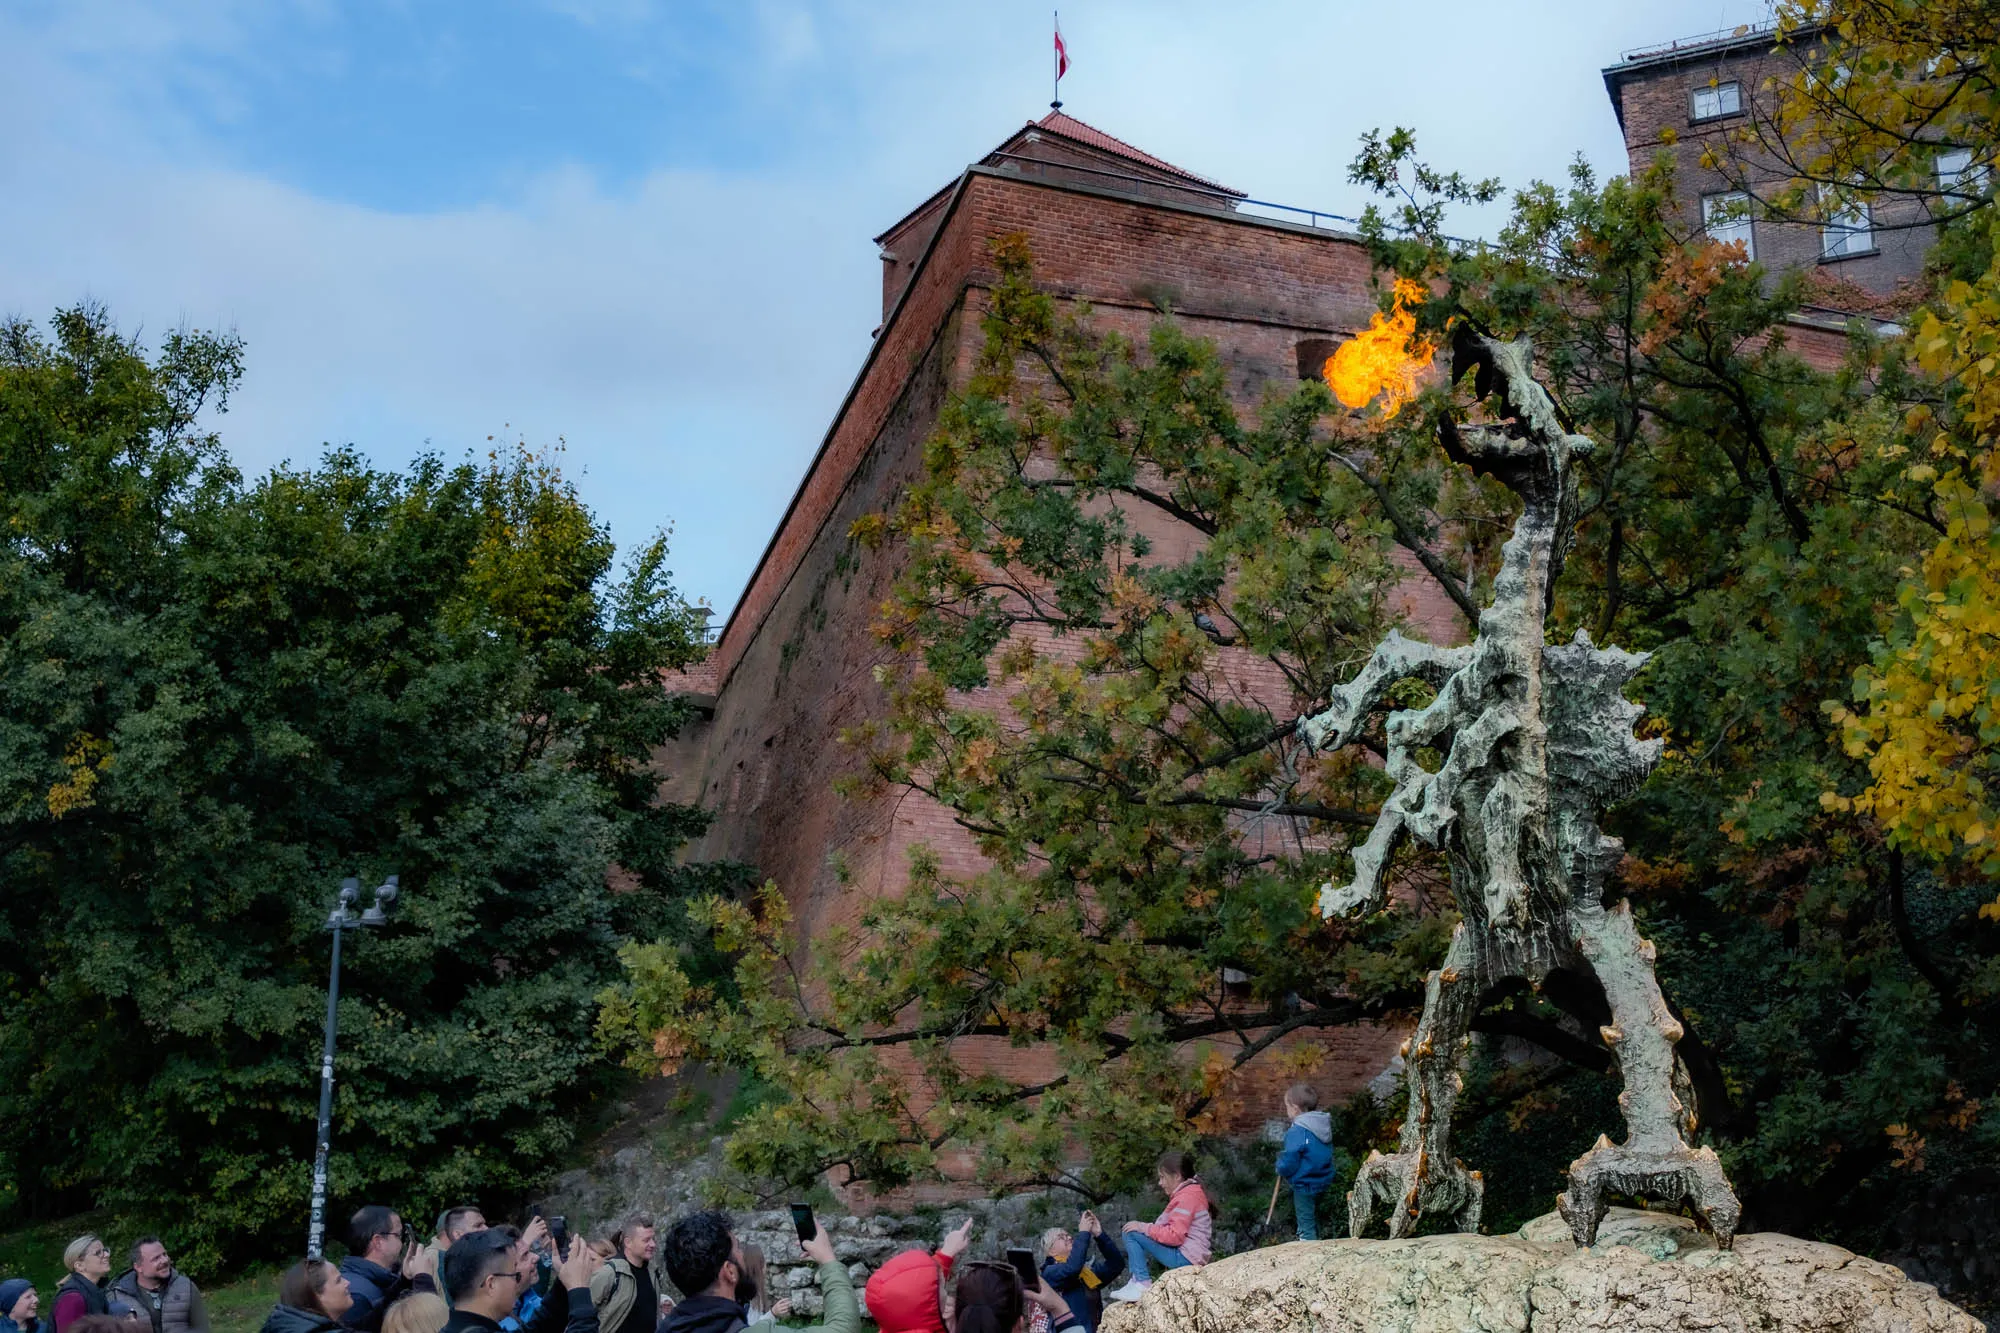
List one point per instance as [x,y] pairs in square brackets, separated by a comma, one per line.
[642,227]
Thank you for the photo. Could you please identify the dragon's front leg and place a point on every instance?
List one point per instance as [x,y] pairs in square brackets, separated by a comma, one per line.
[1395,659]
[1366,892]
[1422,1176]
[1654,1162]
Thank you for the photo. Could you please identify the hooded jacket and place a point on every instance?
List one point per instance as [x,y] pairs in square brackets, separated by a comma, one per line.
[902,1294]
[374,1288]
[291,1319]
[1306,1160]
[1185,1225]
[706,1314]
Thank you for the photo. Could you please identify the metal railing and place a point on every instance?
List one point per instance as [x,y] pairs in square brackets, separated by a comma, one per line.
[1700,41]
[1224,200]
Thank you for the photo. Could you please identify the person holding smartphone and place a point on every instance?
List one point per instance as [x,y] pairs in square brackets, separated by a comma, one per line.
[1077,1277]
[906,1294]
[992,1298]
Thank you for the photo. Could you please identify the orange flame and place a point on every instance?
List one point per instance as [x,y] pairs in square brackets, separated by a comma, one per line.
[1384,359]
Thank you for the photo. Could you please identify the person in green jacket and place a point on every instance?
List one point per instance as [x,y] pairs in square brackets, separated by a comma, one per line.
[843,1312]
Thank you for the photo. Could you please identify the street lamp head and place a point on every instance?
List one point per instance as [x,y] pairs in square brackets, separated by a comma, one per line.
[350,891]
[385,897]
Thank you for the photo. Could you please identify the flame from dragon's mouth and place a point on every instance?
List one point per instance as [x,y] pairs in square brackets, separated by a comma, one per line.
[1385,359]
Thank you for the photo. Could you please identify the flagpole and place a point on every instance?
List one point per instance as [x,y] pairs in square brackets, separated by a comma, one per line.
[1055,63]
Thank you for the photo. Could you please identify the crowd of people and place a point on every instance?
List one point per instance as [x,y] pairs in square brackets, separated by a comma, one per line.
[471,1277]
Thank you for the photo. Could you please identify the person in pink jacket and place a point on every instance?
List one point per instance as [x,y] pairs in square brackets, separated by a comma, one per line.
[1181,1235]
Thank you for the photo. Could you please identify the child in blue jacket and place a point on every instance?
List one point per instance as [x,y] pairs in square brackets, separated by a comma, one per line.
[1306,1160]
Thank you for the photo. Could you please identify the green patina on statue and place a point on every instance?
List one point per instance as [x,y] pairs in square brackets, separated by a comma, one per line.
[1537,740]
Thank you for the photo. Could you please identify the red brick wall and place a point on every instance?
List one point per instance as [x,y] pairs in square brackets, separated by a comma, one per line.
[1655,99]
[1281,282]
[795,663]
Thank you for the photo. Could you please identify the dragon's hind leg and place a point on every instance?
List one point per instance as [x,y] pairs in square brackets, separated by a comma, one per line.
[1654,1161]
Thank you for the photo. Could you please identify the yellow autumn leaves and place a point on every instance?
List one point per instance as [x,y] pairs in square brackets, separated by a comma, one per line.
[1926,711]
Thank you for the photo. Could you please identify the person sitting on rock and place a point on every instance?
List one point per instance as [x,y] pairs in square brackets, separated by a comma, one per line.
[1306,1160]
[1179,1238]
[1076,1277]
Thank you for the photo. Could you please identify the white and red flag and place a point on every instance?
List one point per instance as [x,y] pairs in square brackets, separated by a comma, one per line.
[1062,52]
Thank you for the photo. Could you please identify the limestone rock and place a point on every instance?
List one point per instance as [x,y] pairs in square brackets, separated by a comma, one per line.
[1652,1271]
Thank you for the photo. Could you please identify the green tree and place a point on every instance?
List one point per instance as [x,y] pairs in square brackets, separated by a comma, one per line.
[218,697]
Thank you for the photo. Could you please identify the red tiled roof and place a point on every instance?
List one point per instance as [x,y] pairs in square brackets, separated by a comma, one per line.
[1072,128]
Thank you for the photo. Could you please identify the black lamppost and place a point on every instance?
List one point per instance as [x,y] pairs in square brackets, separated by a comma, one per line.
[343,917]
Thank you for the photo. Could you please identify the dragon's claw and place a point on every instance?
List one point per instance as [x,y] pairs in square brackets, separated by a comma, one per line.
[1412,1184]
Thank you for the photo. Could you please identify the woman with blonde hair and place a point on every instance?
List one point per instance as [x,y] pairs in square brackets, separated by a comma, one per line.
[88,1260]
[418,1312]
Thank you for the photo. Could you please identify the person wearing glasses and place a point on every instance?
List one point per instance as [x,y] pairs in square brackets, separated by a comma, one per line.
[484,1274]
[88,1260]
[373,1267]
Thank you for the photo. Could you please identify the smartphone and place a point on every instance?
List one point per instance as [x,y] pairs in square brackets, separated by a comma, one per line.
[802,1220]
[1024,1264]
[559,1235]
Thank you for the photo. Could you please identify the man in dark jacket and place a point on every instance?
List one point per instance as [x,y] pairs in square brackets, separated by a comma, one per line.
[373,1266]
[483,1278]
[1068,1261]
[705,1261]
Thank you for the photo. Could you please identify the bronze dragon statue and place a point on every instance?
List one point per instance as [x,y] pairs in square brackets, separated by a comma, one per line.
[1536,740]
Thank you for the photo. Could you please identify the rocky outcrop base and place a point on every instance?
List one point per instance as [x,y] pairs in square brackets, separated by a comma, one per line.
[1650,1271]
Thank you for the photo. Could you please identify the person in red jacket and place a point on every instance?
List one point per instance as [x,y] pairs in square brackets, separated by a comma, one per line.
[906,1295]
[1179,1237]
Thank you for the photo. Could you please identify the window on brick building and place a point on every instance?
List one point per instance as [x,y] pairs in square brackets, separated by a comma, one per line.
[1717,99]
[1726,218]
[1957,173]
[1847,227]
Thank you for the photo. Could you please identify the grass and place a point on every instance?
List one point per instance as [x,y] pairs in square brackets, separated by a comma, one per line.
[240,1307]
[35,1252]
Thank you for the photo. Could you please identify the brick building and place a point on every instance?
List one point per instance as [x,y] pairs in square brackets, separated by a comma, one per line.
[1107,223]
[1696,97]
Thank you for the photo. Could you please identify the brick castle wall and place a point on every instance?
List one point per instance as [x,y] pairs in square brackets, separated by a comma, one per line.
[795,664]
